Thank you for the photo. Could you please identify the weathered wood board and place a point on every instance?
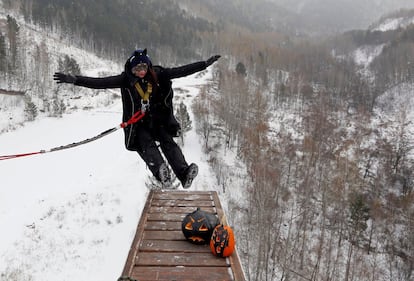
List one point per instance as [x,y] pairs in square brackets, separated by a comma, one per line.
[159,250]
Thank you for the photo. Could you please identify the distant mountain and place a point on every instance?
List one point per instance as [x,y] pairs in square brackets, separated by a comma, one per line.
[302,17]
[340,15]
[385,50]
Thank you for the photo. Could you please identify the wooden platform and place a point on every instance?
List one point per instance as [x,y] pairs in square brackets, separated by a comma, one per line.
[159,250]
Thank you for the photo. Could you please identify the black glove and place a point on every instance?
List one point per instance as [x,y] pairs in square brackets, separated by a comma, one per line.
[60,77]
[211,60]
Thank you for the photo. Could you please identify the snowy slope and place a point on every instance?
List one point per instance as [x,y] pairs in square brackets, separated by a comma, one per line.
[71,215]
[57,47]
[395,106]
[364,55]
[394,23]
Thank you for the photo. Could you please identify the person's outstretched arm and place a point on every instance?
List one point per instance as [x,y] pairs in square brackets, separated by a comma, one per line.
[90,82]
[185,70]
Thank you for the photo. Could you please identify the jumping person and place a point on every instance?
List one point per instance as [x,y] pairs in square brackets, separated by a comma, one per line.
[149,88]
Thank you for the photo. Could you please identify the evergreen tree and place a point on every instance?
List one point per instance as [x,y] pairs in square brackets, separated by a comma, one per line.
[12,33]
[184,119]
[58,105]
[3,58]
[30,109]
[241,69]
[359,214]
[72,66]
[69,65]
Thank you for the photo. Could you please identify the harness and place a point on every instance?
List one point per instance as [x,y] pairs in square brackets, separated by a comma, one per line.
[144,95]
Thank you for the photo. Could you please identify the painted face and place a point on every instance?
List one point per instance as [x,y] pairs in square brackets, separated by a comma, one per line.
[140,70]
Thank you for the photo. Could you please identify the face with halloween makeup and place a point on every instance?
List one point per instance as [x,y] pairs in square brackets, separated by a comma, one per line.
[139,63]
[140,70]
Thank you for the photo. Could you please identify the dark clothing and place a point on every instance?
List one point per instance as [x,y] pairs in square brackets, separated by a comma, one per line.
[160,101]
[151,155]
[158,123]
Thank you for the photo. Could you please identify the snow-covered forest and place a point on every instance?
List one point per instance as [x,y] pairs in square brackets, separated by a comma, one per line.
[309,139]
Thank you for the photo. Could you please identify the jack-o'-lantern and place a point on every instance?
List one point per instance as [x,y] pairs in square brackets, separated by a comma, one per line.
[198,226]
[222,241]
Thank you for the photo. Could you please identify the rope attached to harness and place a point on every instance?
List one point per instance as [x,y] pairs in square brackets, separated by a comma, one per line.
[135,118]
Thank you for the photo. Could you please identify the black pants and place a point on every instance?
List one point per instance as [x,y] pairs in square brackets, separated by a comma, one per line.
[150,153]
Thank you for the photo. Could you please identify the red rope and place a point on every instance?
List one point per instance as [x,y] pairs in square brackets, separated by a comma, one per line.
[5,157]
[135,118]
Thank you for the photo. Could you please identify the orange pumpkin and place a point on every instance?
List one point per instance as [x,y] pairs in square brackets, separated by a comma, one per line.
[198,226]
[222,241]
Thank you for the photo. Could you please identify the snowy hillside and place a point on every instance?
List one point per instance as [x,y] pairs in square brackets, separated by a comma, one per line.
[364,55]
[393,24]
[12,107]
[395,106]
[396,109]
[393,110]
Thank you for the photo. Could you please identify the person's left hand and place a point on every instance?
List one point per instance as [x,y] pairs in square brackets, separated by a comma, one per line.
[60,77]
[212,59]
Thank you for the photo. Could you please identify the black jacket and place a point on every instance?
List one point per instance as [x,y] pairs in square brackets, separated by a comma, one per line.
[160,111]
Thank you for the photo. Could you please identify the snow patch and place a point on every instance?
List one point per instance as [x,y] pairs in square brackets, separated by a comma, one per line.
[393,24]
[366,54]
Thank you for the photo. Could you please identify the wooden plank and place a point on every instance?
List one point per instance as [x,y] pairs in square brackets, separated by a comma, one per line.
[177,217]
[153,273]
[172,246]
[183,203]
[163,235]
[179,259]
[185,210]
[187,195]
[163,225]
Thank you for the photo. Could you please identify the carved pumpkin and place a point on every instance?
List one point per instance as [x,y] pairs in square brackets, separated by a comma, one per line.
[222,241]
[198,226]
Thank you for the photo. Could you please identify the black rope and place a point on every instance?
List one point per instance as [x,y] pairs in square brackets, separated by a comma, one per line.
[135,118]
[107,132]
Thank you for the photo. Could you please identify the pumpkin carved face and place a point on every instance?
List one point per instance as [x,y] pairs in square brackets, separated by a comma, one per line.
[198,226]
[222,241]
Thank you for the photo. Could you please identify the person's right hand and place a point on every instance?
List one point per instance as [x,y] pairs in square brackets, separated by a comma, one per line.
[211,60]
[60,77]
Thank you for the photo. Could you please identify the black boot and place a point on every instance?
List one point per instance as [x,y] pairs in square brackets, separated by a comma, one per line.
[190,174]
[164,176]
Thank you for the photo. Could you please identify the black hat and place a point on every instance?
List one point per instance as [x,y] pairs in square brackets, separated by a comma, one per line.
[139,56]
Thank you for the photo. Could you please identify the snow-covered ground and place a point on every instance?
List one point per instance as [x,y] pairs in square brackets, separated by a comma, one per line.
[366,54]
[72,214]
[393,23]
